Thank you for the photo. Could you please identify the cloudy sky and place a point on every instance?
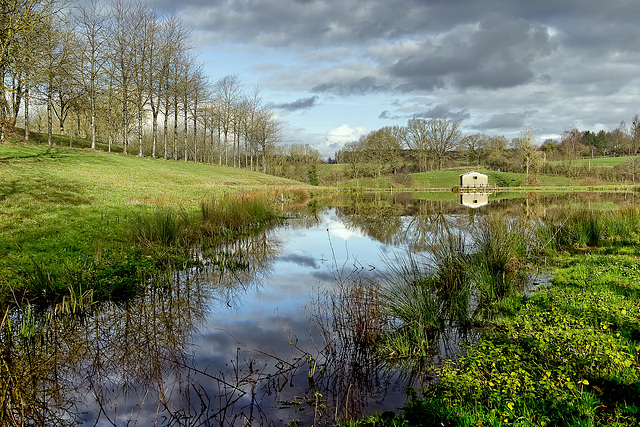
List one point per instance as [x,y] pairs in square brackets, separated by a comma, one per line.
[336,69]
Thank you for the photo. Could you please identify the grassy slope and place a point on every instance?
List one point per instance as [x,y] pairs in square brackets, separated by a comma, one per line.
[57,204]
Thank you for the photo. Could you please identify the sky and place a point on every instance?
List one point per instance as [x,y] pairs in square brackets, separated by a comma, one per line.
[338,69]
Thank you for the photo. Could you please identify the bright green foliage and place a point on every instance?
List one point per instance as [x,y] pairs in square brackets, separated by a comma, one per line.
[568,355]
[565,355]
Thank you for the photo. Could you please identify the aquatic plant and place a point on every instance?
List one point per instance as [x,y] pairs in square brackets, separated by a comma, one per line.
[498,259]
[236,211]
[160,227]
[420,295]
[622,225]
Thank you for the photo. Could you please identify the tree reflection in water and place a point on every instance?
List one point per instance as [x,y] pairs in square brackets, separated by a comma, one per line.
[162,358]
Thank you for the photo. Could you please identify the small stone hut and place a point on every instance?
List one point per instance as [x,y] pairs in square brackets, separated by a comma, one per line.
[473,180]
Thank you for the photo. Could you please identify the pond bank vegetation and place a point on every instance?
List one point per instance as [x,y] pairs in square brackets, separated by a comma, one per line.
[567,354]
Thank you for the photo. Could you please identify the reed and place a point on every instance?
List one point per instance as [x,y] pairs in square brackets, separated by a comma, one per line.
[161,227]
[412,305]
[450,276]
[234,212]
[499,258]
[586,228]
[622,225]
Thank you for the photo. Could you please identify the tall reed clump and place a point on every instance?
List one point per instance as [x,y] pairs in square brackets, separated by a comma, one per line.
[622,225]
[571,229]
[161,227]
[586,228]
[411,310]
[498,263]
[420,298]
[237,212]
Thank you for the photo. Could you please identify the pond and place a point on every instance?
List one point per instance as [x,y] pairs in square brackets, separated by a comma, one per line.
[257,335]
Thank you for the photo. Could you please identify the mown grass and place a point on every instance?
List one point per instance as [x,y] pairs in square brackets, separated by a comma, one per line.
[71,214]
[598,161]
[450,178]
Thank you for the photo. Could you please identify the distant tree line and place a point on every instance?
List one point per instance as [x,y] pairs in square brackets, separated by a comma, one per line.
[429,144]
[127,75]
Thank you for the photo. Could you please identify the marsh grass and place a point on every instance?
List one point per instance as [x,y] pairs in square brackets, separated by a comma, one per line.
[421,296]
[411,309]
[451,287]
[623,225]
[236,211]
[499,258]
[164,227]
[586,228]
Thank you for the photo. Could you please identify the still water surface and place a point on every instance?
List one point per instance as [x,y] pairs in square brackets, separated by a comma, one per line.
[249,338]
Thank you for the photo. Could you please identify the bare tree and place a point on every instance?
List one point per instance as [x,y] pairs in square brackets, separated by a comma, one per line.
[122,63]
[19,20]
[227,94]
[473,145]
[433,138]
[417,140]
[90,25]
[267,133]
[382,149]
[58,71]
[572,146]
[251,106]
[524,146]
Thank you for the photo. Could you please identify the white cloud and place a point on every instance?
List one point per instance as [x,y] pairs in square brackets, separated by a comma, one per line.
[345,133]
[338,229]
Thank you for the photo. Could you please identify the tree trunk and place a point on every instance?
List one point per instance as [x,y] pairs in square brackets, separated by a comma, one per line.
[175,129]
[140,153]
[154,133]
[49,116]
[165,130]
[26,116]
[186,134]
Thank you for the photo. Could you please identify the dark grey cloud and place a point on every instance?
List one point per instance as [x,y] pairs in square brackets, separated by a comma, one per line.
[361,86]
[498,53]
[505,121]
[302,260]
[443,112]
[299,104]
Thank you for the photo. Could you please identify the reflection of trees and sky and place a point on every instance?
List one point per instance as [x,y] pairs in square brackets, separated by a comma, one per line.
[255,336]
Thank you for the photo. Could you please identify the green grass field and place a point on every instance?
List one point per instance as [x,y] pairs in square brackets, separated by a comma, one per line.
[332,175]
[599,161]
[60,207]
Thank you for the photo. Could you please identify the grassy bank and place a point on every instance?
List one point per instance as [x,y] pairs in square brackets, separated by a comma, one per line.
[75,219]
[439,180]
[563,355]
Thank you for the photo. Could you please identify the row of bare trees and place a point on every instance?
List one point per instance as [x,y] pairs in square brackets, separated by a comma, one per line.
[426,144]
[127,75]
